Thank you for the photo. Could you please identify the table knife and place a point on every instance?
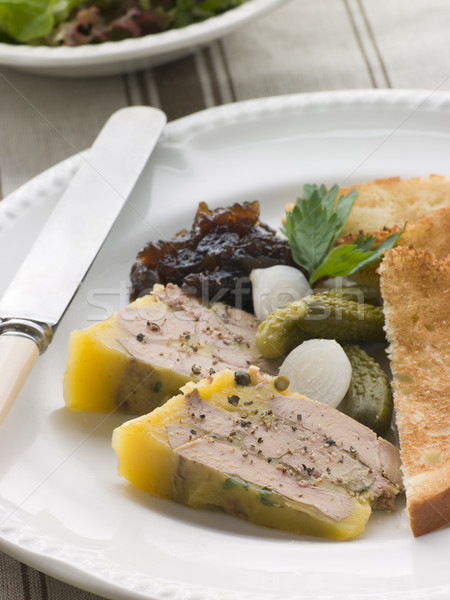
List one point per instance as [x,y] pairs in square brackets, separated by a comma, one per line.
[45,283]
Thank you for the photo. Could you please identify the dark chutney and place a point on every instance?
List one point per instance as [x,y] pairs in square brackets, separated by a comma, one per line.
[214,259]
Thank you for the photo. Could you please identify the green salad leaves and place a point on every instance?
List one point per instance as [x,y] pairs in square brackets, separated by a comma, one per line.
[313,227]
[80,22]
[26,20]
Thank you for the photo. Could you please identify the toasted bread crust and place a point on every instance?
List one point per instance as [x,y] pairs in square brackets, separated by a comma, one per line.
[416,294]
[427,515]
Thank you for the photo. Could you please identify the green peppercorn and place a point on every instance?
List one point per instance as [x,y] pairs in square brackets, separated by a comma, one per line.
[281,383]
[242,378]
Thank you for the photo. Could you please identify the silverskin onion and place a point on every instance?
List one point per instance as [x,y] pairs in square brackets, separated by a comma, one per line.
[320,370]
[276,286]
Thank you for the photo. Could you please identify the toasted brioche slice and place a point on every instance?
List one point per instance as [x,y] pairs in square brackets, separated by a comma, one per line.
[416,294]
[392,201]
[387,202]
[430,233]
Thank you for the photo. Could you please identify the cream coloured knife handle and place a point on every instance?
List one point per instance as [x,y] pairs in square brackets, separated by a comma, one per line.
[17,357]
[21,342]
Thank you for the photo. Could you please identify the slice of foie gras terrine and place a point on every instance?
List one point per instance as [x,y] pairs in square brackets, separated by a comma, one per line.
[142,355]
[270,456]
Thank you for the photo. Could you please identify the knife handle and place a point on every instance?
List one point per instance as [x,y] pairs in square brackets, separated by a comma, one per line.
[18,354]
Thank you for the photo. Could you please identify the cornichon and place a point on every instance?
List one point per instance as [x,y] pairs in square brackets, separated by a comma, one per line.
[323,315]
[369,397]
[358,293]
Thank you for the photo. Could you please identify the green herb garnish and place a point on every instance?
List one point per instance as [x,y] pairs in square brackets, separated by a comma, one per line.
[313,227]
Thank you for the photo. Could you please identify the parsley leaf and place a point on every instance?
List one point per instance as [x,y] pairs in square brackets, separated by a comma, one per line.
[340,261]
[313,227]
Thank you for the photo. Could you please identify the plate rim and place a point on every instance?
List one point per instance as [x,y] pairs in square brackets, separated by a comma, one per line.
[246,109]
[11,206]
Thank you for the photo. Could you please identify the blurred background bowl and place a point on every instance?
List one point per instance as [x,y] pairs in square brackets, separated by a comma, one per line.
[113,58]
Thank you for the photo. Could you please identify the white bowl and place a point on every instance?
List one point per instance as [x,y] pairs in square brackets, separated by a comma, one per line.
[113,58]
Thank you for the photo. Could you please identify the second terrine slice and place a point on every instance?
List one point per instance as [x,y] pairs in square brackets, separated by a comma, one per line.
[243,443]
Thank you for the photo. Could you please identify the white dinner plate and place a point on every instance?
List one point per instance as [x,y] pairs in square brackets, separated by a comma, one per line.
[112,58]
[63,508]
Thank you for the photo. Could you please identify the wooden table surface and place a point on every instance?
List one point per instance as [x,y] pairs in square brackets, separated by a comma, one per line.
[304,46]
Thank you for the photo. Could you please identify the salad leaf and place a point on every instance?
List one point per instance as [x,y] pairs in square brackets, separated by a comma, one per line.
[192,11]
[113,21]
[76,22]
[27,20]
[313,227]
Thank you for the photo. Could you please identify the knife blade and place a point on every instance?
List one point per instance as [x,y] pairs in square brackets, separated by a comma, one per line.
[43,287]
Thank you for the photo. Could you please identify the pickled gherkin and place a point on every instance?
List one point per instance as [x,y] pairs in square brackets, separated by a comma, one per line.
[369,397]
[280,333]
[324,315]
[358,293]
